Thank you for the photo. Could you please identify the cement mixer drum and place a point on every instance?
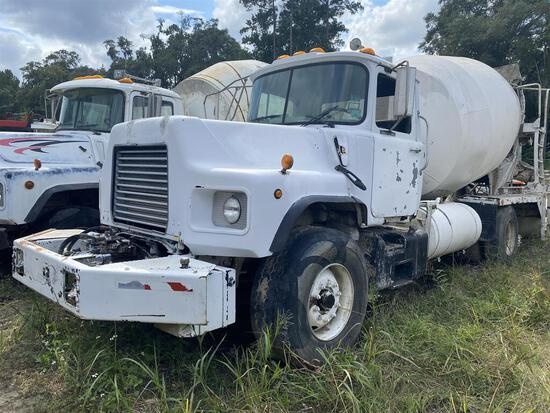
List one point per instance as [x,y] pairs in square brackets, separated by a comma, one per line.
[221,91]
[474,117]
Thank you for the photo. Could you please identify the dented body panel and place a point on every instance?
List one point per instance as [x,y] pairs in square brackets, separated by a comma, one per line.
[152,291]
[67,160]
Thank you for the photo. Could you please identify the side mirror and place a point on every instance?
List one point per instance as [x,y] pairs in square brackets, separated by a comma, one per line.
[404,92]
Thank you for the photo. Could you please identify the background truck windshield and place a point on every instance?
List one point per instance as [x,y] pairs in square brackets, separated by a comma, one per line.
[297,95]
[91,109]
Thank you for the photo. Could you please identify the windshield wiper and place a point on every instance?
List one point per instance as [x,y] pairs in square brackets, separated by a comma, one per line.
[318,118]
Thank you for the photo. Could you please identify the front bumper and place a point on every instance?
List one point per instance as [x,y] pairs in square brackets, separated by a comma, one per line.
[185,301]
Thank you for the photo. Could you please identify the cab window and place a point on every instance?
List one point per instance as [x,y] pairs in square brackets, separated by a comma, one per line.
[385,94]
[140,107]
[334,93]
[166,108]
[91,109]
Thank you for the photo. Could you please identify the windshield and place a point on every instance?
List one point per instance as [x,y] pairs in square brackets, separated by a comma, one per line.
[91,109]
[319,93]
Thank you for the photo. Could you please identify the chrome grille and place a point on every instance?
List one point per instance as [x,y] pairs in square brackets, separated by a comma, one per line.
[140,186]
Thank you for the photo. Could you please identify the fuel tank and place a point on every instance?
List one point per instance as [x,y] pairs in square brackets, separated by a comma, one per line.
[473,118]
[453,227]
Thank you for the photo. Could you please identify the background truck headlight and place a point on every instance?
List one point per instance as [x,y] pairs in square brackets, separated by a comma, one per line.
[232,210]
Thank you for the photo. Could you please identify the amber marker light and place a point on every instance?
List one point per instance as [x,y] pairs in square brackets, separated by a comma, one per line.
[29,184]
[278,194]
[368,50]
[317,50]
[287,161]
[37,164]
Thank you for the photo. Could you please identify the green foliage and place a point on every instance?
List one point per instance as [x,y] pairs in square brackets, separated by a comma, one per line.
[176,51]
[122,57]
[285,27]
[9,86]
[474,339]
[495,32]
[57,67]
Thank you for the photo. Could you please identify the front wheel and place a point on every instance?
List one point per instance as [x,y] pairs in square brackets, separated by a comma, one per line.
[319,284]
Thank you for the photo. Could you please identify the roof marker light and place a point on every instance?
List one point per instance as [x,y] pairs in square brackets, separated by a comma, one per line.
[368,50]
[88,77]
[317,50]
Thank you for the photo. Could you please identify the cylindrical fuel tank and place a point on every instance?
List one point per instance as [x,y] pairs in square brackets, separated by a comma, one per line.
[453,227]
[218,92]
[473,118]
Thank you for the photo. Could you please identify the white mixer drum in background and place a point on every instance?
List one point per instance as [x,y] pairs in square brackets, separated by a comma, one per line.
[474,117]
[220,91]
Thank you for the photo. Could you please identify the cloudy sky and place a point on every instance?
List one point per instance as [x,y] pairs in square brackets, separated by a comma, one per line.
[30,29]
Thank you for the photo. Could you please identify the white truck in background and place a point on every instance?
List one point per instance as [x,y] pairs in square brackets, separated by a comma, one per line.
[349,171]
[50,180]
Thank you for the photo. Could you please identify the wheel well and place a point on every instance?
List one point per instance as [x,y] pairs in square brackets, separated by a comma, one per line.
[329,214]
[56,200]
[342,213]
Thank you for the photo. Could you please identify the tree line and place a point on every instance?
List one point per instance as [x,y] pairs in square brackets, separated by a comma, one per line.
[496,32]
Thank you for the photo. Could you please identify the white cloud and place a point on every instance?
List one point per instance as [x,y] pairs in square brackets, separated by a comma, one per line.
[231,15]
[31,29]
[394,29]
[174,10]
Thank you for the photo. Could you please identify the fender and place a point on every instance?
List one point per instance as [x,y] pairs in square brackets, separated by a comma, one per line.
[47,194]
[297,209]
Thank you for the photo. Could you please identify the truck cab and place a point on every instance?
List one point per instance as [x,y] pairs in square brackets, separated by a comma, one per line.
[51,179]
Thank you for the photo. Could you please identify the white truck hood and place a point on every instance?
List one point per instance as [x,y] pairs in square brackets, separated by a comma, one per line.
[64,147]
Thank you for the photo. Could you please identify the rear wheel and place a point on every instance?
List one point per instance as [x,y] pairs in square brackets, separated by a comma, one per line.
[507,235]
[319,284]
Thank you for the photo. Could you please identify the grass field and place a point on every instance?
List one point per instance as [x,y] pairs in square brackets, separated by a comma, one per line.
[474,339]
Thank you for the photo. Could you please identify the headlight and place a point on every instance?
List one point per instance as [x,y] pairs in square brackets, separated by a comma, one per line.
[232,210]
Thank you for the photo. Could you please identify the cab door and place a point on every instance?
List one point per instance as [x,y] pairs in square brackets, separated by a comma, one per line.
[391,155]
[398,156]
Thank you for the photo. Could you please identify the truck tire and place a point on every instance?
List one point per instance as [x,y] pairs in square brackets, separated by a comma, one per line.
[506,244]
[68,218]
[319,284]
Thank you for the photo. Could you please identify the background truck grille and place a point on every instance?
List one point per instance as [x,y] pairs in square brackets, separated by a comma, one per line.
[140,195]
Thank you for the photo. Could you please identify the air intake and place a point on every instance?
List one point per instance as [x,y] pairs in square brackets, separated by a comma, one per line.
[140,195]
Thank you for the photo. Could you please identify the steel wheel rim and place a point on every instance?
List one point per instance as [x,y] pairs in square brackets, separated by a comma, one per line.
[330,302]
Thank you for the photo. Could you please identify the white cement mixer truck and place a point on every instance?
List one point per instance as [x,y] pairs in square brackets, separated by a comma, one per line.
[50,180]
[350,171]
